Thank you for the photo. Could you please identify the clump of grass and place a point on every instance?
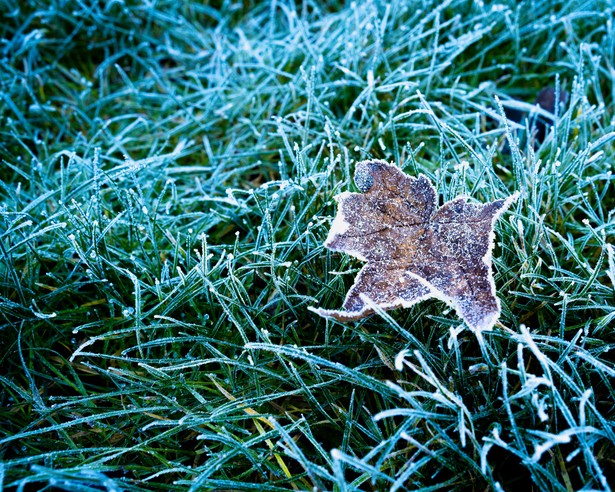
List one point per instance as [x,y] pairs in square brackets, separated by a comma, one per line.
[167,180]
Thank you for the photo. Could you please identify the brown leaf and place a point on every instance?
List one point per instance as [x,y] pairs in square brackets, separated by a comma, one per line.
[413,249]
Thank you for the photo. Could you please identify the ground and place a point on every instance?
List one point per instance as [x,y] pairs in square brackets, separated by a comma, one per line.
[167,180]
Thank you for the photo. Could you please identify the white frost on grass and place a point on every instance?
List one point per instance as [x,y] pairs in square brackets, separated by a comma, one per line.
[611,270]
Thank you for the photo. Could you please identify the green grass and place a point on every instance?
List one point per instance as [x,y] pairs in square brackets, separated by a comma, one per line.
[167,174]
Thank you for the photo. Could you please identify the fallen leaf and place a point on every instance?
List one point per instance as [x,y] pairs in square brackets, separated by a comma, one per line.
[413,249]
[551,101]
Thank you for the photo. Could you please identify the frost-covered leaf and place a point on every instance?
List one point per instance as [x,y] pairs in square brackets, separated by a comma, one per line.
[413,249]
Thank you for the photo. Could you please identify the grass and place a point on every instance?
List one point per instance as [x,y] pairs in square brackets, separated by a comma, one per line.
[167,179]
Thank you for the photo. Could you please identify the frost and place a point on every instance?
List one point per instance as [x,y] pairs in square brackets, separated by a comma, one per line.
[40,315]
[400,359]
[611,270]
[595,157]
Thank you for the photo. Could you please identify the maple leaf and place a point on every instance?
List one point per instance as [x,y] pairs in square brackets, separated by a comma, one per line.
[413,249]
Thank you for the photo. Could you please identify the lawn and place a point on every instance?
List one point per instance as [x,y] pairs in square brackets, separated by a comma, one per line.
[167,181]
